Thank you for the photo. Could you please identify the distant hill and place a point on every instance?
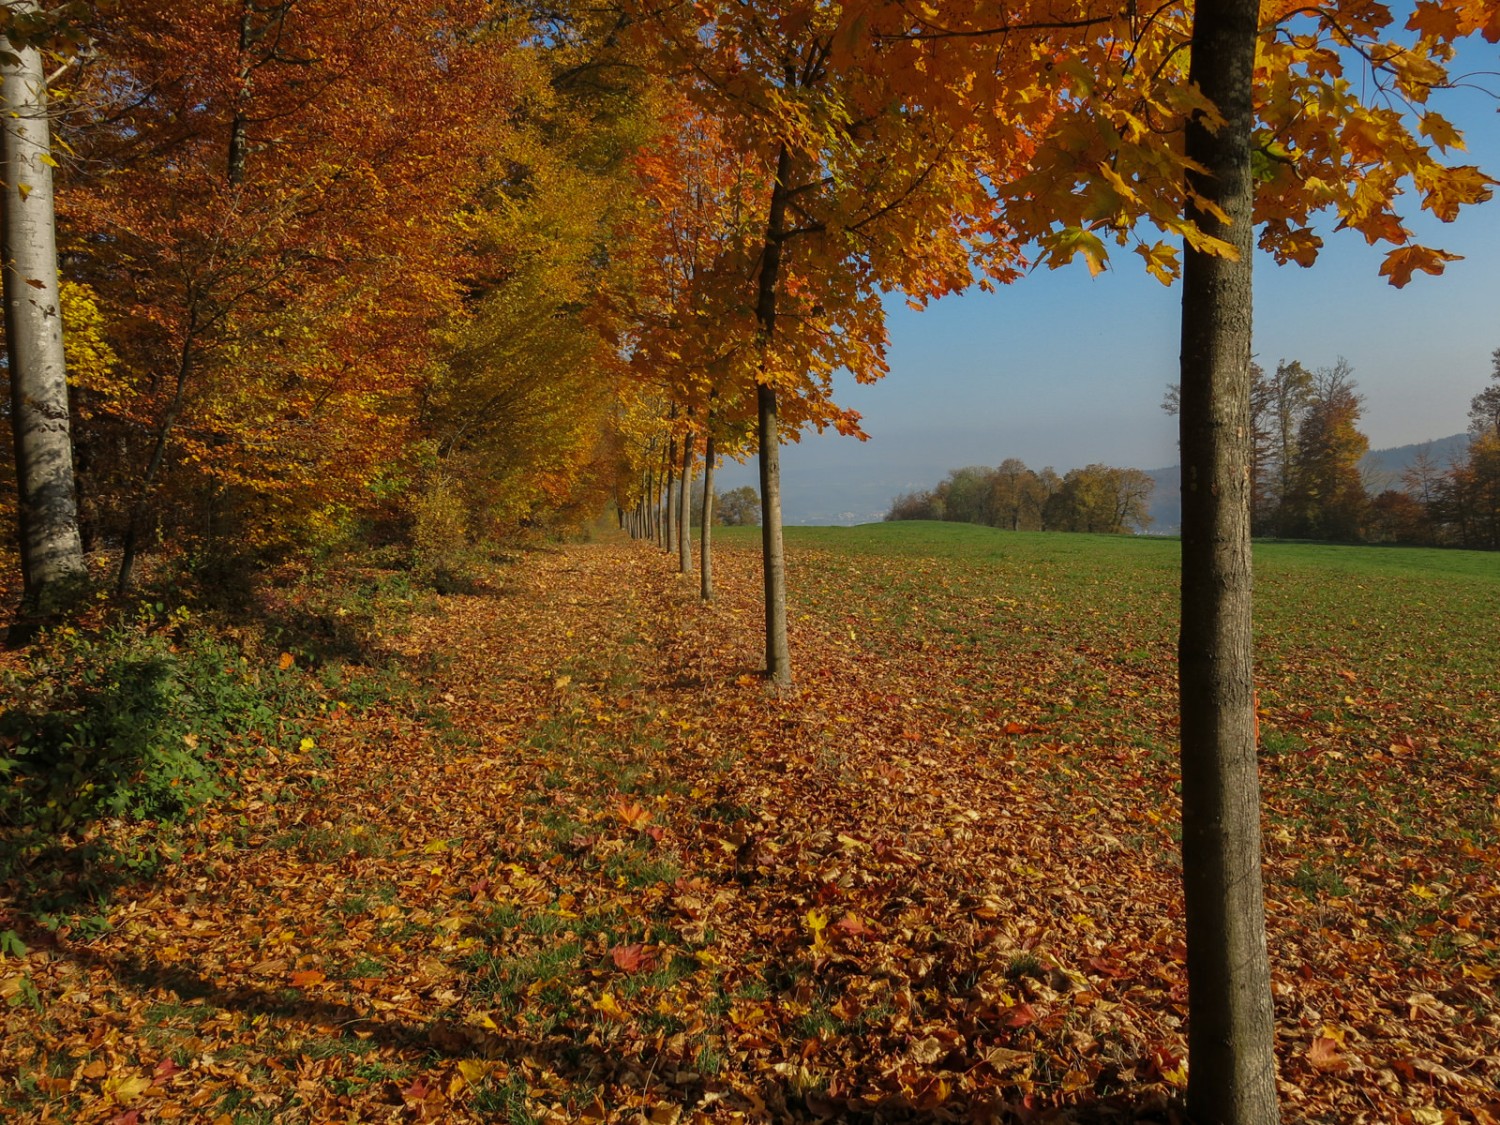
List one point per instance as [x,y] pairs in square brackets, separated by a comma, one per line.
[1382,469]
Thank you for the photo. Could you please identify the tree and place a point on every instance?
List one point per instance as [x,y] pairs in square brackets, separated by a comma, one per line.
[1484,409]
[1397,517]
[1231,1022]
[1100,499]
[967,495]
[1018,496]
[866,192]
[1326,497]
[271,201]
[1286,396]
[739,507]
[47,512]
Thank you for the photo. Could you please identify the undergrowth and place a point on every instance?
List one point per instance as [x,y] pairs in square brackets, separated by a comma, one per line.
[135,720]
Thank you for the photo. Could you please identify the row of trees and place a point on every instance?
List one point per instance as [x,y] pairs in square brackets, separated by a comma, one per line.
[468,267]
[1096,498]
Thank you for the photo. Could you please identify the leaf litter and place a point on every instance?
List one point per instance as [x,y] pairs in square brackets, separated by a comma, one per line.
[604,873]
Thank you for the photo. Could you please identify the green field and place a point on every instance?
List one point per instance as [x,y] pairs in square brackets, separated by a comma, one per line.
[1358,648]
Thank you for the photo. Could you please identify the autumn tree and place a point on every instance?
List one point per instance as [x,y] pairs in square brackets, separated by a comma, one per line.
[1326,495]
[866,191]
[739,507]
[1484,408]
[1231,1024]
[1019,496]
[267,200]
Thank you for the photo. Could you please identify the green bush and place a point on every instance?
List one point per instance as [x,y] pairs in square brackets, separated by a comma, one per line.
[134,721]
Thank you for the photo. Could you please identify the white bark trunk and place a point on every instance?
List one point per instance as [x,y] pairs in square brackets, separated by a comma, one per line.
[51,551]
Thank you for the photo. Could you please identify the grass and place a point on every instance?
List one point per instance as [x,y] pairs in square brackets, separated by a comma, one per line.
[973,782]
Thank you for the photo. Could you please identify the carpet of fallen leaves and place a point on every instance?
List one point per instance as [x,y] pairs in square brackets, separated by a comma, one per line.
[599,871]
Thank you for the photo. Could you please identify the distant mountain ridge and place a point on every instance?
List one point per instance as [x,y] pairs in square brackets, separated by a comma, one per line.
[1382,469]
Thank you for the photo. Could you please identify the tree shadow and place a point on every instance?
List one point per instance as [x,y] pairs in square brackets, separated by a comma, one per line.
[589,1064]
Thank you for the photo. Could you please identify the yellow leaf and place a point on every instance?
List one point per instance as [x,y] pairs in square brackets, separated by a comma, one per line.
[286,661]
[1161,261]
[1064,245]
[473,1070]
[1441,132]
[610,1006]
[127,1088]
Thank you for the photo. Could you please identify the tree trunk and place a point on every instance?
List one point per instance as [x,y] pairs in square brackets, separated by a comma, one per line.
[135,528]
[1231,1022]
[705,546]
[239,142]
[47,506]
[684,508]
[773,560]
[669,539]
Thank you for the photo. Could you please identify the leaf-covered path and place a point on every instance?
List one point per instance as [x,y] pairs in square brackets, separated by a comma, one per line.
[594,869]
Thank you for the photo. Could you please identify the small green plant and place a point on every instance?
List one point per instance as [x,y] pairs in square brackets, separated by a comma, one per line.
[133,721]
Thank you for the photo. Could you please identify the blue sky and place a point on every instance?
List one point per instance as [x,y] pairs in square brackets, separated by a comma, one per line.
[1065,369]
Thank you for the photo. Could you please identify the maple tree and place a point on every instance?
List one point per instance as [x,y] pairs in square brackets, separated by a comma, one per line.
[864,191]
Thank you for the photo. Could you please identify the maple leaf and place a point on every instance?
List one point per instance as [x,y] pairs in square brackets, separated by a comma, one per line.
[1161,261]
[633,958]
[633,815]
[1401,263]
[1323,1053]
[1064,245]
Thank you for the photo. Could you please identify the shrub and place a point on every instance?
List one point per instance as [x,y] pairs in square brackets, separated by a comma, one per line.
[134,721]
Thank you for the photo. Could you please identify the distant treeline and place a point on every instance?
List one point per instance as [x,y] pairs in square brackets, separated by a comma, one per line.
[1098,498]
[1306,477]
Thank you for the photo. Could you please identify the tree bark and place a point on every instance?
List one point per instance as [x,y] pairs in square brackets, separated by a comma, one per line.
[239,141]
[47,506]
[773,559]
[705,545]
[1231,1022]
[684,508]
[669,537]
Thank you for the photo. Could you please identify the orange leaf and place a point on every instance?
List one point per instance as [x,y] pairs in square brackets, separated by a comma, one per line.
[1324,1054]
[633,958]
[307,977]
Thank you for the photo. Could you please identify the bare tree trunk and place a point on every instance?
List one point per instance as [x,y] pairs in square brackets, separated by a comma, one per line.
[239,143]
[669,540]
[773,559]
[705,549]
[47,508]
[684,508]
[1231,1022]
[135,529]
[649,501]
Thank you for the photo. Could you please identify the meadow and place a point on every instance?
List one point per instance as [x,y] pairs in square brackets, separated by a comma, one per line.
[570,858]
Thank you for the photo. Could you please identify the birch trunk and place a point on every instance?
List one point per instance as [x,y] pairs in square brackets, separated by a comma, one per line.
[1231,1024]
[47,506]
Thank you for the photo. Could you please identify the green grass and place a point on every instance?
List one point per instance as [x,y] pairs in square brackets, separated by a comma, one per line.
[1358,649]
